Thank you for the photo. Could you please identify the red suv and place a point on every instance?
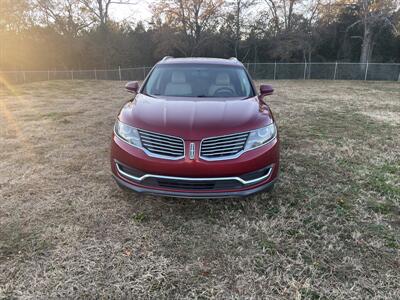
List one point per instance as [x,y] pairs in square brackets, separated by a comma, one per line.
[196,128]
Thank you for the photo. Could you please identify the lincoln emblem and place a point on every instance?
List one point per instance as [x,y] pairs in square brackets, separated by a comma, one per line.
[191,151]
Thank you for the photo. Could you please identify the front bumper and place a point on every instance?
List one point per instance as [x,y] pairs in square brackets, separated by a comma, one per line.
[175,194]
[195,178]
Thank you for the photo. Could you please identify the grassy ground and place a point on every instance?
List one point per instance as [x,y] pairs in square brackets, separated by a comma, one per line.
[330,229]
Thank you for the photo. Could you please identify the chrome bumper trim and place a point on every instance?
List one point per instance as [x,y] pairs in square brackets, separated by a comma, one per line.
[242,181]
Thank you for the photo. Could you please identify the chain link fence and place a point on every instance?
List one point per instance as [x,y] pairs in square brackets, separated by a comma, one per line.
[122,74]
[269,71]
[325,71]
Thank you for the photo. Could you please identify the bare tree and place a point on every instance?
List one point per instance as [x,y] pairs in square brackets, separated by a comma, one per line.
[14,18]
[14,14]
[192,19]
[99,9]
[293,26]
[239,8]
[282,12]
[373,16]
[66,16]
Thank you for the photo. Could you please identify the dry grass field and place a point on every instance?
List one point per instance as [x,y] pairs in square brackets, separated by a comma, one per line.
[330,229]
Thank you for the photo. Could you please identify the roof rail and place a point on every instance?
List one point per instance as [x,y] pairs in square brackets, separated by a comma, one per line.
[167,57]
[233,58]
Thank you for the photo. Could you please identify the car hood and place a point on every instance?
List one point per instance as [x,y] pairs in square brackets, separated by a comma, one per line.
[195,118]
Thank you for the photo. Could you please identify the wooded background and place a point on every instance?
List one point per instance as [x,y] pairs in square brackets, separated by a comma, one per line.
[80,34]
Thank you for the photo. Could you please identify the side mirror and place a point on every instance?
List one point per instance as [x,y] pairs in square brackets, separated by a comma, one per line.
[132,87]
[266,90]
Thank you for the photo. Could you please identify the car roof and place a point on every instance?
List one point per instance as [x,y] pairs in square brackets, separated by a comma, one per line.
[200,60]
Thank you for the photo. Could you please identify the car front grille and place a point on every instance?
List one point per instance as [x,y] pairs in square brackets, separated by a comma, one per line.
[223,147]
[160,145]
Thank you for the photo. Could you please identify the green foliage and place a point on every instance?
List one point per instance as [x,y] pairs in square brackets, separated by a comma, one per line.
[385,180]
[139,217]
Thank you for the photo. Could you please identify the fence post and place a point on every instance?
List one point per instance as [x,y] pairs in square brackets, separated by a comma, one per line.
[366,71]
[334,74]
[275,71]
[119,73]
[95,74]
[72,74]
[48,75]
[24,75]
[305,69]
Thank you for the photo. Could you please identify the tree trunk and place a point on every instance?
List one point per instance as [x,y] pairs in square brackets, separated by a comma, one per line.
[237,29]
[366,46]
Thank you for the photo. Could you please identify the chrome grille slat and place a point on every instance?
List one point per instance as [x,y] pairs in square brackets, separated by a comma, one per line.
[158,136]
[223,147]
[155,148]
[221,153]
[225,142]
[210,140]
[217,146]
[152,135]
[163,146]
[164,152]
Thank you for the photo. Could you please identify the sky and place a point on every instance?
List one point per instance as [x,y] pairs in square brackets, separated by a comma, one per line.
[138,11]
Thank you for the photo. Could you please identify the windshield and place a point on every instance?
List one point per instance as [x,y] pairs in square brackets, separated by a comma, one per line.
[198,80]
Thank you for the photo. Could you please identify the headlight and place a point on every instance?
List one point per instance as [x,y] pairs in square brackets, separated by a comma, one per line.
[128,134]
[261,136]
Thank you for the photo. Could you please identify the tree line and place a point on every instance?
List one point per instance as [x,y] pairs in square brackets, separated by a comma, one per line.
[81,34]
